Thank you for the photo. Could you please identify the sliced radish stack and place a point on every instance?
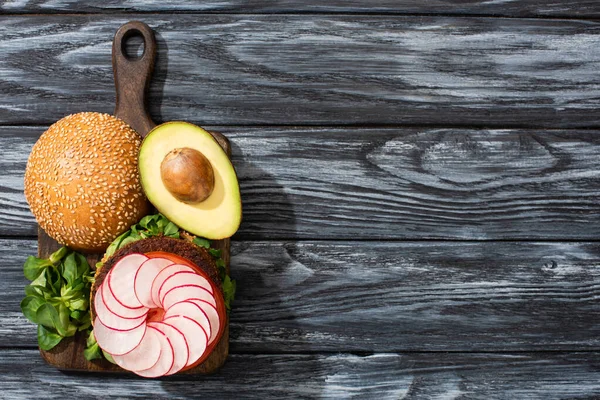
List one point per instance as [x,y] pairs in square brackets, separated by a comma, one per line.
[194,334]
[144,356]
[178,342]
[117,342]
[184,279]
[166,359]
[156,317]
[120,278]
[144,277]
[117,308]
[113,321]
[163,276]
[193,311]
[181,279]
[185,292]
[213,317]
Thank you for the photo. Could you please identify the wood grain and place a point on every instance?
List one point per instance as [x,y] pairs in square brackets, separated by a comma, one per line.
[381,376]
[353,183]
[290,69]
[393,296]
[521,8]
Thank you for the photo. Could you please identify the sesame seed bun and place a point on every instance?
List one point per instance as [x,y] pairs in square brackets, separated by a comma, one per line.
[82,180]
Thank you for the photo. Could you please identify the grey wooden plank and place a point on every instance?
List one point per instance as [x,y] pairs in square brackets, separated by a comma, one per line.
[381,376]
[317,70]
[519,8]
[392,296]
[355,183]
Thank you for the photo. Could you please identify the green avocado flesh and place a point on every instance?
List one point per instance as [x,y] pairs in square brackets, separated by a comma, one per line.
[218,216]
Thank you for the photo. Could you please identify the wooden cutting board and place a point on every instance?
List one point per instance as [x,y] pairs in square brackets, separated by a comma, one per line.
[132,79]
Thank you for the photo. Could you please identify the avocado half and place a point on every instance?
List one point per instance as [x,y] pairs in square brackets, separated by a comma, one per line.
[218,214]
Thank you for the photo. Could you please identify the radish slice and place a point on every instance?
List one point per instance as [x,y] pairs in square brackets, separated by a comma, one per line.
[116,308]
[183,278]
[213,317]
[179,343]
[144,356]
[112,320]
[163,275]
[144,277]
[117,342]
[166,359]
[184,292]
[121,277]
[194,334]
[194,312]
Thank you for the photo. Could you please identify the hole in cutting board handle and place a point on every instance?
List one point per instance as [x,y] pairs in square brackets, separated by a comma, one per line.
[133,74]
[133,45]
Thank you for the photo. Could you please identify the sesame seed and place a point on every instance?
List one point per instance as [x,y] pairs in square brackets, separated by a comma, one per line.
[73,156]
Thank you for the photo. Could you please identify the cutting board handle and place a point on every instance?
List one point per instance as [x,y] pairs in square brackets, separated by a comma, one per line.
[133,75]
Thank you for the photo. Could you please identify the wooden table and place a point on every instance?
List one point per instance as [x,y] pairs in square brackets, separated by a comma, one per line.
[421,188]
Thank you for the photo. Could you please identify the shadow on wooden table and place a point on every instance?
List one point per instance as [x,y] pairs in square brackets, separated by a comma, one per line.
[260,310]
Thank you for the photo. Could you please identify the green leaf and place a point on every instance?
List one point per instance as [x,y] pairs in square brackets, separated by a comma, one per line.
[161,223]
[70,269]
[129,239]
[108,357]
[47,339]
[78,287]
[83,267]
[92,352]
[147,221]
[201,242]
[34,266]
[215,253]
[79,304]
[63,316]
[171,229]
[229,288]
[58,255]
[35,290]
[40,281]
[71,330]
[48,316]
[53,281]
[91,339]
[221,268]
[68,293]
[85,322]
[77,314]
[29,307]
[116,244]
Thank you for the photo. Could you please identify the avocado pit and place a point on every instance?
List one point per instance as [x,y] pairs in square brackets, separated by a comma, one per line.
[188,175]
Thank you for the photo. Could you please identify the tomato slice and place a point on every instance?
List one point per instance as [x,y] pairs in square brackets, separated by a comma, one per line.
[221,310]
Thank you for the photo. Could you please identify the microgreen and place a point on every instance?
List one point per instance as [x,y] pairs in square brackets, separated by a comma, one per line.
[57,300]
